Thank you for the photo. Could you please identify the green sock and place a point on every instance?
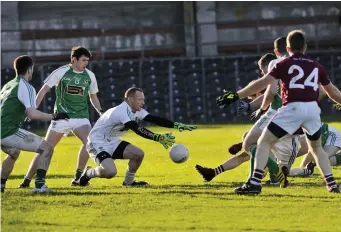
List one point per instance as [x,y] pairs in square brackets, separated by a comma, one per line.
[252,151]
[40,178]
[78,173]
[273,169]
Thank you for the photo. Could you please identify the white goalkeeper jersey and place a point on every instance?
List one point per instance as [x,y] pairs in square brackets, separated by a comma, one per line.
[110,126]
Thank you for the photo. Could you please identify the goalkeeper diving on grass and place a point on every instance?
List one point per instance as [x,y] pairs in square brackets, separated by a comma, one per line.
[104,144]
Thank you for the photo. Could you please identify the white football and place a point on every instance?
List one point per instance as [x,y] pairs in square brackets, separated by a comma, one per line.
[178,153]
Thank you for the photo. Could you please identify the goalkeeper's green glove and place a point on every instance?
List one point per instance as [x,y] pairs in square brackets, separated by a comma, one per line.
[167,140]
[181,127]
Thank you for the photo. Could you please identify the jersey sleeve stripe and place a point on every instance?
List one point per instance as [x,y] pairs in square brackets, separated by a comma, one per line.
[30,92]
[64,66]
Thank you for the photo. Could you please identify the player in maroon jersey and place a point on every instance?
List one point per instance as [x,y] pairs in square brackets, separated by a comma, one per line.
[300,79]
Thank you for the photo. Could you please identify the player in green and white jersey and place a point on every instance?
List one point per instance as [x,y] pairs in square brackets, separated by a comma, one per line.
[331,143]
[17,100]
[271,97]
[74,85]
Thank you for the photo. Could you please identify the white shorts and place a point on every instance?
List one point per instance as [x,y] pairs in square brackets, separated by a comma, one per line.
[299,114]
[114,148]
[264,120]
[65,126]
[334,137]
[286,150]
[21,140]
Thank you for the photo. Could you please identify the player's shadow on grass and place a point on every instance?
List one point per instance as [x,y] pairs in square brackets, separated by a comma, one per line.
[204,185]
[82,193]
[98,227]
[306,184]
[54,176]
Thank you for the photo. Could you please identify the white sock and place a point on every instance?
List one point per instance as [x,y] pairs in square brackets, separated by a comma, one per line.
[91,173]
[129,179]
[299,172]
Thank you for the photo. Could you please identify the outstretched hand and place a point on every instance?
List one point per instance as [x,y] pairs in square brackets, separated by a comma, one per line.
[181,127]
[167,140]
[60,116]
[256,114]
[227,99]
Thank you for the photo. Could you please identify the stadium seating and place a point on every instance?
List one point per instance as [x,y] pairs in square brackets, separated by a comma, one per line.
[195,84]
[155,84]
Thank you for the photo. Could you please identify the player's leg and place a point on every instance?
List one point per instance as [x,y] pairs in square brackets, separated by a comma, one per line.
[282,123]
[334,156]
[333,146]
[304,147]
[286,151]
[250,140]
[27,141]
[271,165]
[252,136]
[209,173]
[105,168]
[264,144]
[307,167]
[135,156]
[53,138]
[235,148]
[335,160]
[8,164]
[82,133]
[321,158]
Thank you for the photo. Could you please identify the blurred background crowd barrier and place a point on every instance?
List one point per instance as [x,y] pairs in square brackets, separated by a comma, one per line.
[183,54]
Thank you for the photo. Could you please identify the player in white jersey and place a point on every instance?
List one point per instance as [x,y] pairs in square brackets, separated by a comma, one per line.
[75,84]
[104,143]
[16,101]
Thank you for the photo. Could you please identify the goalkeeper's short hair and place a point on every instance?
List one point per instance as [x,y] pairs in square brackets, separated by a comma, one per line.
[131,91]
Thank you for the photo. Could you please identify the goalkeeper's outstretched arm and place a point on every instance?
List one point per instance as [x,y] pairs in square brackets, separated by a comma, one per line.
[166,140]
[159,121]
[139,130]
[168,123]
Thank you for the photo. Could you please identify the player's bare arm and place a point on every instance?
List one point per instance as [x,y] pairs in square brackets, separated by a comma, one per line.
[256,103]
[95,103]
[33,113]
[269,94]
[41,94]
[333,92]
[256,86]
[322,94]
[230,97]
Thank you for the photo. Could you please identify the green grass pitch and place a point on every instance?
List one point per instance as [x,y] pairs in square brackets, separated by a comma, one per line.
[177,198]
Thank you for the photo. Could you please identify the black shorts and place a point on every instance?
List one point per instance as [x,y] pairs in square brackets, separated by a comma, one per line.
[118,153]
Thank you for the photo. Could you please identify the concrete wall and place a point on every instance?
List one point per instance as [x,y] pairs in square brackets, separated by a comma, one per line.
[9,41]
